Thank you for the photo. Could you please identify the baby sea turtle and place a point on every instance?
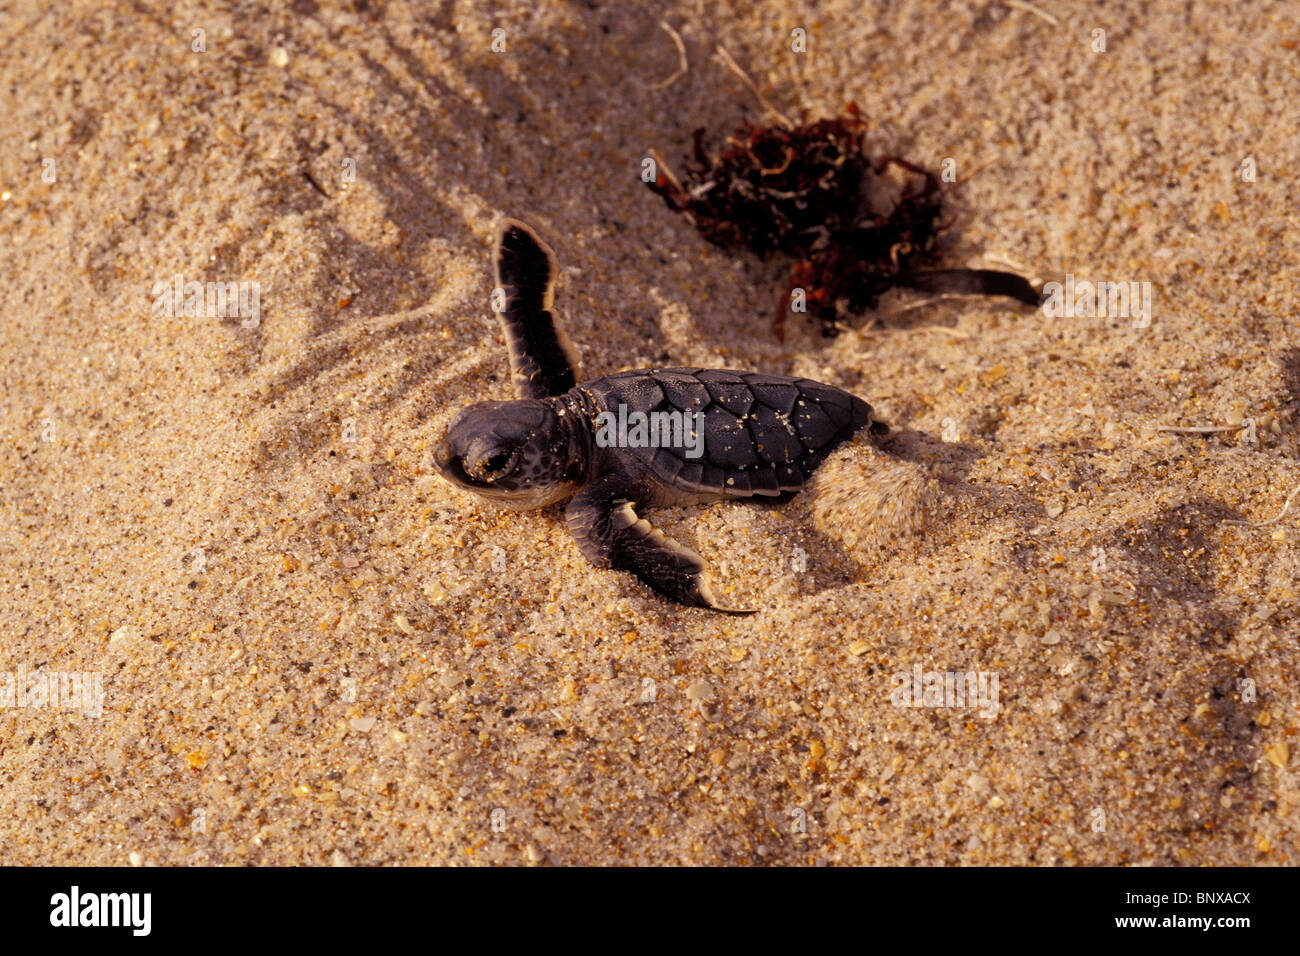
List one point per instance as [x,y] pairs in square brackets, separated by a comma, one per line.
[633,440]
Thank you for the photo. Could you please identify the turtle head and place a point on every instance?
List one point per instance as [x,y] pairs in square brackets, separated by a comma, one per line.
[519,454]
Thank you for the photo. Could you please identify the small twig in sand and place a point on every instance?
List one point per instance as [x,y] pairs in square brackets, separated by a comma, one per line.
[1030,8]
[663,167]
[315,185]
[1264,524]
[951,333]
[1199,429]
[682,65]
[971,173]
[744,77]
[1014,265]
[924,302]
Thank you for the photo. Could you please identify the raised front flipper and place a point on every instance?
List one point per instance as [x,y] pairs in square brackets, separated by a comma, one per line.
[542,360]
[611,535]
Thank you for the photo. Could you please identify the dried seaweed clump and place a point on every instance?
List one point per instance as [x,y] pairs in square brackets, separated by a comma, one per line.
[857,228]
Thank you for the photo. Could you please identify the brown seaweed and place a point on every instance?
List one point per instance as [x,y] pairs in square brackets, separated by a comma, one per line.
[799,191]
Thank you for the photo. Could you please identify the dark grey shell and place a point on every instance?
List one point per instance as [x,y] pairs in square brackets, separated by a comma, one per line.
[763,434]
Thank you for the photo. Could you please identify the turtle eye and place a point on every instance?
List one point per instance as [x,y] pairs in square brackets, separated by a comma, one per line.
[496,466]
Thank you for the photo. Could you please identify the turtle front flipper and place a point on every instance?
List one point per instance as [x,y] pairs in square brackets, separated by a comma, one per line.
[542,360]
[611,535]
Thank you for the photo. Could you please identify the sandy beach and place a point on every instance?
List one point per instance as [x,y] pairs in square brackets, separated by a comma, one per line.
[294,643]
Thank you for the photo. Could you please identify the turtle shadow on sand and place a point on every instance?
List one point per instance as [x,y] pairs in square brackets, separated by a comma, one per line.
[911,444]
[877,500]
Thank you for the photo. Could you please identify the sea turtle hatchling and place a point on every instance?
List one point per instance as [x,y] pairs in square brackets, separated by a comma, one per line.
[747,434]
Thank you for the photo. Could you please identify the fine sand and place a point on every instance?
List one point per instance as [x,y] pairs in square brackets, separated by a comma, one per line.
[312,650]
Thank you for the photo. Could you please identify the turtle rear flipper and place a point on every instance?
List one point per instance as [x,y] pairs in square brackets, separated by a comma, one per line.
[611,534]
[542,360]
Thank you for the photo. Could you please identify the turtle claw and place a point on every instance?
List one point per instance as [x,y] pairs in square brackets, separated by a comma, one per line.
[701,594]
[612,535]
[695,591]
